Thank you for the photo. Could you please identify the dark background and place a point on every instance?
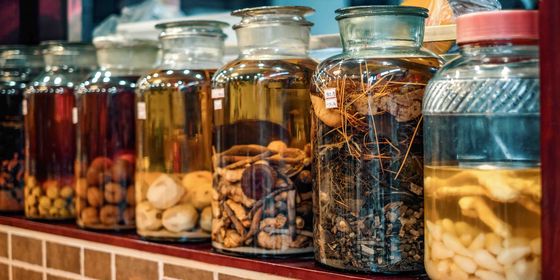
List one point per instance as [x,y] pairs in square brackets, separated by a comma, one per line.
[33,21]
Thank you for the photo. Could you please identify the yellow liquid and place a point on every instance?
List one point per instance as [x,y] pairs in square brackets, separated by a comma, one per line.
[486,217]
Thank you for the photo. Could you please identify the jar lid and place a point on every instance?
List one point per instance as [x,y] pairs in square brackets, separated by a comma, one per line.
[65,48]
[498,25]
[273,15]
[113,41]
[378,10]
[181,28]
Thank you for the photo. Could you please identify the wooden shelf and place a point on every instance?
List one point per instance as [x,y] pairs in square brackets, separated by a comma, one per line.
[294,268]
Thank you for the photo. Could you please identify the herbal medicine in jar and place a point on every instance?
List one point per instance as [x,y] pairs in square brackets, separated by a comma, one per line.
[106,152]
[18,65]
[262,201]
[173,178]
[50,142]
[367,142]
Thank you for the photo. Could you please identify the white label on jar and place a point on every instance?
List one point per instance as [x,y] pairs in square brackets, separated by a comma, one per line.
[24,107]
[218,93]
[74,115]
[330,93]
[141,108]
[218,104]
[330,103]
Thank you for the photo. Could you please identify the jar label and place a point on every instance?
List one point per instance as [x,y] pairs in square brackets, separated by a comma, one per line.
[330,93]
[218,93]
[74,115]
[141,108]
[24,107]
[330,98]
[217,104]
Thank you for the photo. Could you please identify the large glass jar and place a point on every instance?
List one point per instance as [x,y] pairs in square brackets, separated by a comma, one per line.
[482,156]
[50,142]
[18,65]
[173,175]
[262,204]
[367,142]
[106,128]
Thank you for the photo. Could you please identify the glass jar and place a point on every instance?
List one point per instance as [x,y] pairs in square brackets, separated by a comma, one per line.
[18,65]
[50,143]
[106,152]
[173,176]
[482,154]
[367,142]
[262,202]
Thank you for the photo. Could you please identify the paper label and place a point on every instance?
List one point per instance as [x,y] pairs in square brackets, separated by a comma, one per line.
[24,107]
[141,110]
[218,104]
[218,93]
[330,103]
[330,93]
[74,115]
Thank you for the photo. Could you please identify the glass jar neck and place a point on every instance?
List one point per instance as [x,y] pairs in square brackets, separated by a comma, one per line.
[192,52]
[500,48]
[127,60]
[273,41]
[81,59]
[381,32]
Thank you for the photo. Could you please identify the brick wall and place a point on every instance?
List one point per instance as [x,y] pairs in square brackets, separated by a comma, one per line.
[31,255]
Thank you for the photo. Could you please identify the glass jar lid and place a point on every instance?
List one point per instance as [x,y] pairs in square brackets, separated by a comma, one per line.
[119,52]
[210,28]
[14,56]
[58,53]
[273,15]
[378,10]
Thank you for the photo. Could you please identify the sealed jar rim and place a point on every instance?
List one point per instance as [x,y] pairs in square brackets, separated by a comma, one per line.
[193,23]
[297,14]
[111,41]
[376,10]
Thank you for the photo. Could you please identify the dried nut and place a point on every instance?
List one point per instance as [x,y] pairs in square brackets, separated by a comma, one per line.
[36,191]
[486,260]
[510,255]
[129,216]
[31,200]
[200,197]
[488,275]
[66,192]
[81,204]
[32,212]
[53,212]
[98,171]
[147,216]
[131,195]
[206,219]
[258,180]
[277,146]
[30,181]
[43,211]
[59,203]
[45,202]
[183,217]
[197,179]
[114,193]
[122,171]
[109,215]
[63,212]
[89,216]
[52,192]
[94,196]
[165,192]
[81,188]
[440,252]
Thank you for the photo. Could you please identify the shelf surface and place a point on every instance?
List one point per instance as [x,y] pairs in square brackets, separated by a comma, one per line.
[292,268]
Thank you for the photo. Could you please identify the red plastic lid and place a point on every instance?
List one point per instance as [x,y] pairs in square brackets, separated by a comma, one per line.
[498,25]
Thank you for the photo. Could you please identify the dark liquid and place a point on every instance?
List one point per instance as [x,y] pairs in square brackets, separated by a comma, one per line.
[11,150]
[50,152]
[106,132]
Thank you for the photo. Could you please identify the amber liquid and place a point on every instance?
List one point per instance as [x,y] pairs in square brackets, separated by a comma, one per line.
[50,151]
[265,102]
[368,154]
[106,132]
[505,215]
[173,141]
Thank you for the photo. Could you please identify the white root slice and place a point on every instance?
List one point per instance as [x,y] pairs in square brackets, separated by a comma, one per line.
[465,190]
[471,204]
[330,117]
[451,242]
[499,188]
[487,261]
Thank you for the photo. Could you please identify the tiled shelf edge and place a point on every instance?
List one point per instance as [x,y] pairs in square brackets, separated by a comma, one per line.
[288,268]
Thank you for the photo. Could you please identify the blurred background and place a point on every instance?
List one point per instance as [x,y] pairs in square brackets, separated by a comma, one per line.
[32,21]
